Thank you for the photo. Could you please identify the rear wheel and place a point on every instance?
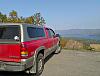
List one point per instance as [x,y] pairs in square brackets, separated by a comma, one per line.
[39,64]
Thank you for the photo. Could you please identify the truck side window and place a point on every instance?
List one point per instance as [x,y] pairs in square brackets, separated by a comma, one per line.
[35,32]
[52,32]
[49,33]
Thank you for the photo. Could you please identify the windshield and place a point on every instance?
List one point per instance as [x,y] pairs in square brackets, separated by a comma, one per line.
[9,32]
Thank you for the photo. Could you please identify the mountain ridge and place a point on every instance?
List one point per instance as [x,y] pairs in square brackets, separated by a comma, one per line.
[79,31]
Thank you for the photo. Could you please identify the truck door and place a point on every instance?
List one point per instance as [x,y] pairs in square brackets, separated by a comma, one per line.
[55,39]
[50,41]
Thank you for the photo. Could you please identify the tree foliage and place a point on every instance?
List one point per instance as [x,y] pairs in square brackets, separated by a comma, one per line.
[13,17]
[13,14]
[3,18]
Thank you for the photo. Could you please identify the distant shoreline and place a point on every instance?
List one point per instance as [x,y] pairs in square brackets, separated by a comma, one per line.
[91,37]
[90,41]
[80,33]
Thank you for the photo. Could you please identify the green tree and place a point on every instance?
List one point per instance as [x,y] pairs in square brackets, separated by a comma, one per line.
[22,19]
[13,17]
[29,20]
[3,18]
[36,19]
[13,14]
[42,21]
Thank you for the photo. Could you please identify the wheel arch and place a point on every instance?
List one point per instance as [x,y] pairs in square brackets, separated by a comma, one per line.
[39,50]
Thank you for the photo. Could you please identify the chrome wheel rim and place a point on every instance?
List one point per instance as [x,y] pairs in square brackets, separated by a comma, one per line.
[40,63]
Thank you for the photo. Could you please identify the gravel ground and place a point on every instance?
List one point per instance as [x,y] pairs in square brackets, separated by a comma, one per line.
[68,63]
[73,63]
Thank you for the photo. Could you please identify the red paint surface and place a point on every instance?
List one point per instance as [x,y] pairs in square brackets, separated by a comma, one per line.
[10,52]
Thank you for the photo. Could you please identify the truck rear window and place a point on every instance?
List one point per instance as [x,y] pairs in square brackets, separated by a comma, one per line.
[9,32]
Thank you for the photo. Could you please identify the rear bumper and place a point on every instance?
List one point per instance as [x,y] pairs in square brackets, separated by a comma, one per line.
[14,66]
[11,66]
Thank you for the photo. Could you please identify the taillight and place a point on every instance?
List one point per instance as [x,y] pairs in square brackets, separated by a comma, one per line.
[24,51]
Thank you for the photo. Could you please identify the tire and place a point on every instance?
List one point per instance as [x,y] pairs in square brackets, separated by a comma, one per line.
[39,60]
[58,50]
[39,64]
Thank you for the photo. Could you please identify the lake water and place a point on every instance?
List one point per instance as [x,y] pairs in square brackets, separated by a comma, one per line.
[95,37]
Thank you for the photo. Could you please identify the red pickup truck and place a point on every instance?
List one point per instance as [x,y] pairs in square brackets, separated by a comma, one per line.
[23,47]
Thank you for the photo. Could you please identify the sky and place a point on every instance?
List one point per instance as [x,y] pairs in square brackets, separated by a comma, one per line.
[59,14]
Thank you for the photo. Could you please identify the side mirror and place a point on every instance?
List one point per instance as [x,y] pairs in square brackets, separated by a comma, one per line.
[57,35]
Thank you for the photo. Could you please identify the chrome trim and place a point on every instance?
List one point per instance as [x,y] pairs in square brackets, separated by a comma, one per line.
[24,61]
[22,35]
[28,62]
[9,42]
[20,66]
[11,66]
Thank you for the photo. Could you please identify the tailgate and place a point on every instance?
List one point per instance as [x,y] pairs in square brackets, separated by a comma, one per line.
[10,43]
[10,52]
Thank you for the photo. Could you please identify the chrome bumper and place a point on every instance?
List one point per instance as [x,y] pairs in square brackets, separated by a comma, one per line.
[14,66]
[11,66]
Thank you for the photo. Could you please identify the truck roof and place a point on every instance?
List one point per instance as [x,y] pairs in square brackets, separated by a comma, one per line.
[11,23]
[24,24]
[16,24]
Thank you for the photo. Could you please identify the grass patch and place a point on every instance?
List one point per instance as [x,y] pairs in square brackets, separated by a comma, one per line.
[80,44]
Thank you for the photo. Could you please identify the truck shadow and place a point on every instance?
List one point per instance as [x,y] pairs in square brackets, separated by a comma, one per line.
[48,57]
[15,74]
[4,73]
